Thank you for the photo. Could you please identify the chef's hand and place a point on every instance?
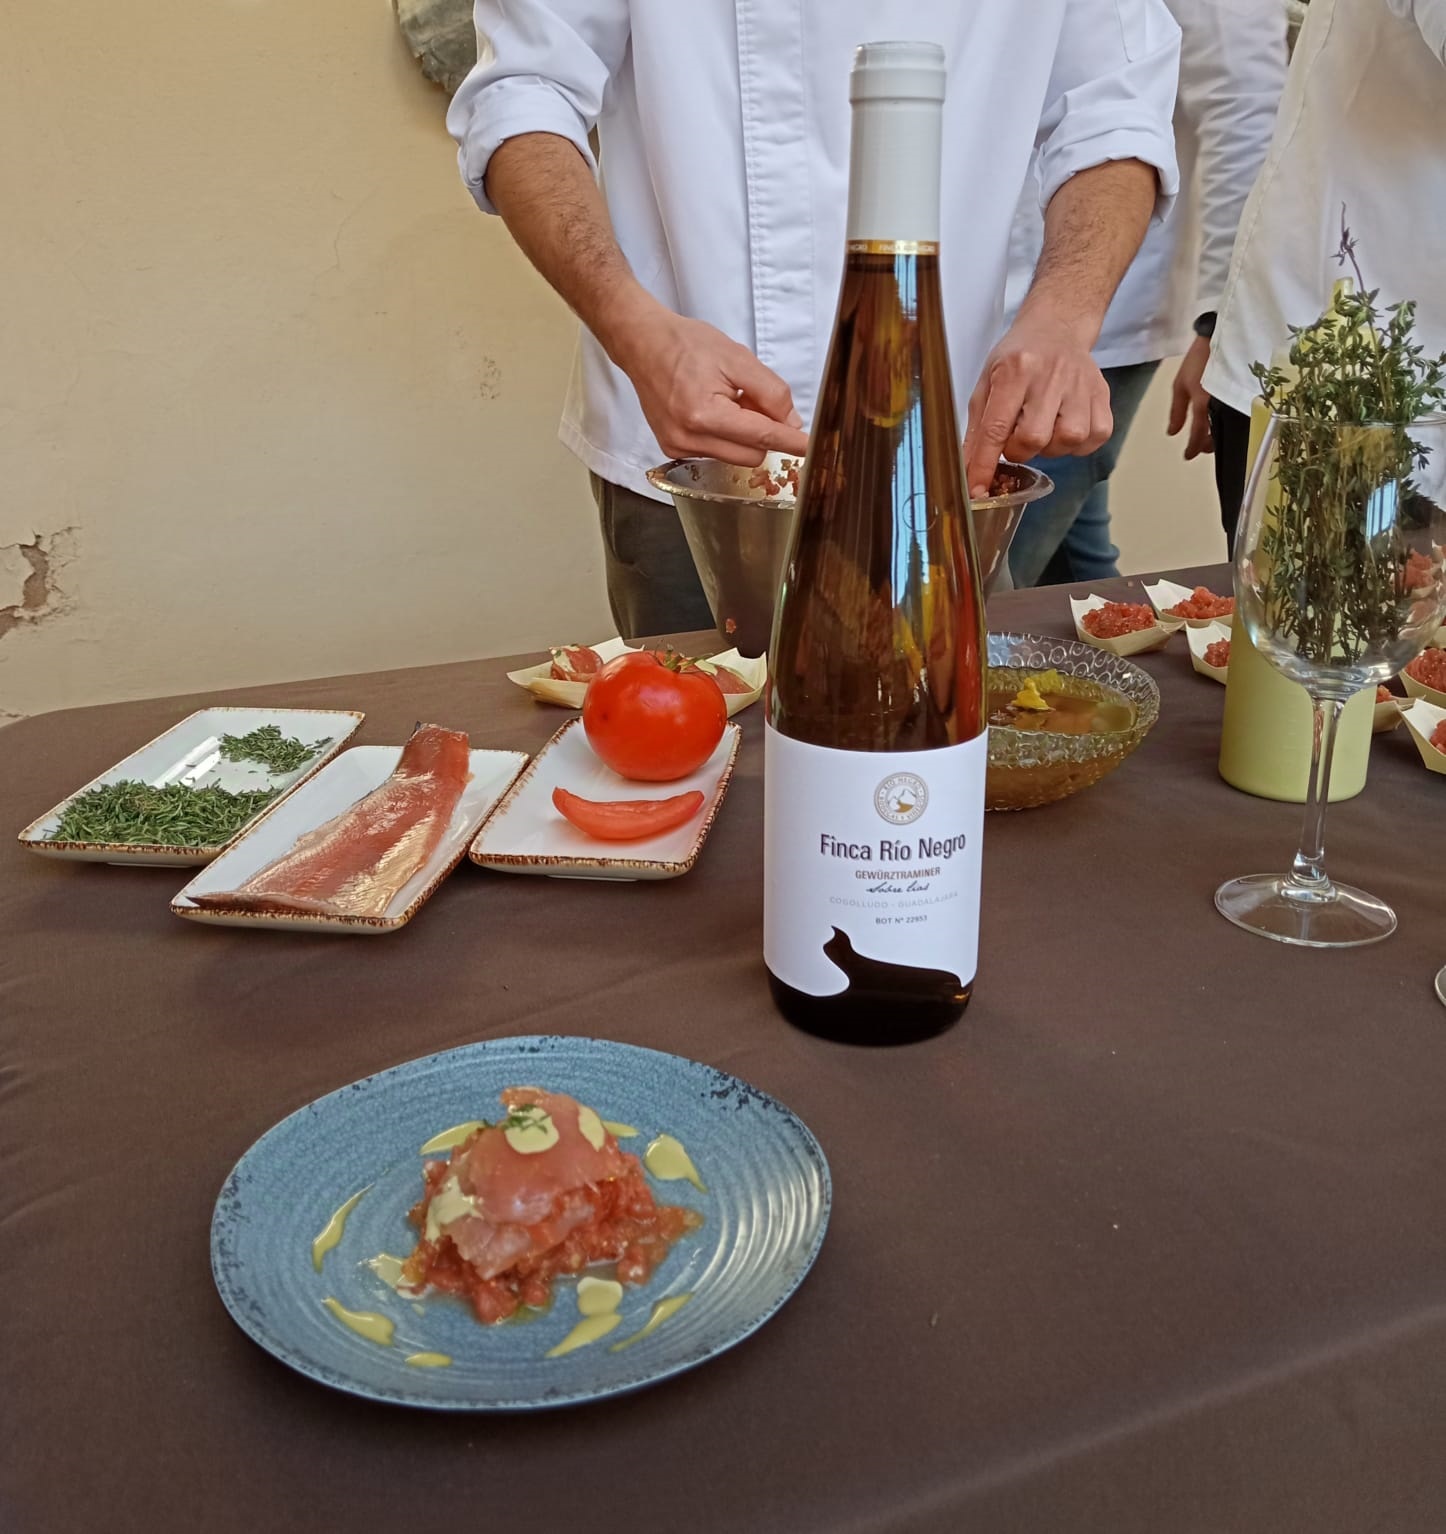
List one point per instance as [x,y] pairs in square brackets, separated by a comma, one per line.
[1189,399]
[706,396]
[1040,394]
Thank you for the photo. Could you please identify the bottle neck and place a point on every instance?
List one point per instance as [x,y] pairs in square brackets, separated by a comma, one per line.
[894,168]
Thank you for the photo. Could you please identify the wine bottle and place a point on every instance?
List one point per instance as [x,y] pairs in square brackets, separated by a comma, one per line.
[875,730]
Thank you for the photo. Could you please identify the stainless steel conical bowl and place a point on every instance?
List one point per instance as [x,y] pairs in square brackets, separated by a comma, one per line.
[738,531]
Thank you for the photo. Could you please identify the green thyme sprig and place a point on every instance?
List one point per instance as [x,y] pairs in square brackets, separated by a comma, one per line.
[267,745]
[1335,583]
[132,813]
[528,1116]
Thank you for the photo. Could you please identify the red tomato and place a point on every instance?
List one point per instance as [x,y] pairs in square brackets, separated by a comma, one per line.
[626,820]
[653,720]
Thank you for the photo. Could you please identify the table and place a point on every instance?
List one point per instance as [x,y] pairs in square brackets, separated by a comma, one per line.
[1165,1250]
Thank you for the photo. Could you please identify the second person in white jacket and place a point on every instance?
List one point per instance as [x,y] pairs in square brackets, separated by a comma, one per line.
[1232,72]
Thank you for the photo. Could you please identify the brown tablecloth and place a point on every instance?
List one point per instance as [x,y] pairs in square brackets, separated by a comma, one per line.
[1154,1240]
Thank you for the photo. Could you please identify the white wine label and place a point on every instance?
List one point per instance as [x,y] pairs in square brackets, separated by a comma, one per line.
[869,859]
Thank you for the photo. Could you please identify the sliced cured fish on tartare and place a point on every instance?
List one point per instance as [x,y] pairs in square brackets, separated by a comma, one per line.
[543,1192]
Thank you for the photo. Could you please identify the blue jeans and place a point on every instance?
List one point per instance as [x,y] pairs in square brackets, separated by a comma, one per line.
[1065,538]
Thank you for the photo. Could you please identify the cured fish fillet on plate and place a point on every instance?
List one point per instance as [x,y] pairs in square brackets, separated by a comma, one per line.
[357,862]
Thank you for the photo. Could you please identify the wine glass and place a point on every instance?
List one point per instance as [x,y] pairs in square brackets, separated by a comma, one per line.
[1340,581]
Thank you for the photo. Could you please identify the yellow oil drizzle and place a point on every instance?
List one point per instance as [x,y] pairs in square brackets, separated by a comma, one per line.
[386,1267]
[589,1329]
[427,1360]
[331,1231]
[590,1127]
[365,1323]
[450,1139]
[597,1302]
[598,1296]
[666,1159]
[619,1131]
[664,1310]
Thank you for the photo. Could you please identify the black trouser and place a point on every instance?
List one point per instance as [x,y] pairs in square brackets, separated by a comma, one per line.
[1231,432]
[653,585]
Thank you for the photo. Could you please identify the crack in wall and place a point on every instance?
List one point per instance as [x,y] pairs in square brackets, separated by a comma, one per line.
[43,560]
[33,571]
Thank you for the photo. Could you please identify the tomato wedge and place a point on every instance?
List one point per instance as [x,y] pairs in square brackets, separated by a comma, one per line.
[626,820]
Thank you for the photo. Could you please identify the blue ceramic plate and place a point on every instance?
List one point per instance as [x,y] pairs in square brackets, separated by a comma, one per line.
[765,1213]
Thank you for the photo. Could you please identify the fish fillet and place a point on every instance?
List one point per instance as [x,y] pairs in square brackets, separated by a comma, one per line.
[355,864]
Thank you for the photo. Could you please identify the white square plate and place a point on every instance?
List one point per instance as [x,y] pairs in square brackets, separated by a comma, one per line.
[190,752]
[526,835]
[352,775]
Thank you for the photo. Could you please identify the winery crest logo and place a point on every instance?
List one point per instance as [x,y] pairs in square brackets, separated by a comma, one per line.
[901,798]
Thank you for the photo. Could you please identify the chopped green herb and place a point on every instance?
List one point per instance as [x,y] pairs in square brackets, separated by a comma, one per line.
[527,1116]
[135,813]
[267,745]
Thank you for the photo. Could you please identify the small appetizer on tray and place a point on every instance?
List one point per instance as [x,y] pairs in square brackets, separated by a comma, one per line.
[1209,649]
[1123,628]
[1425,677]
[363,845]
[1389,710]
[1176,604]
[194,789]
[564,679]
[1427,723]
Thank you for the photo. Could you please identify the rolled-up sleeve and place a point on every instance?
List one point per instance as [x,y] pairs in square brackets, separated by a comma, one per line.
[1112,94]
[543,66]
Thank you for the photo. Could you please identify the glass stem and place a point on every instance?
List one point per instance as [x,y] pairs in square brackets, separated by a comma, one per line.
[1308,879]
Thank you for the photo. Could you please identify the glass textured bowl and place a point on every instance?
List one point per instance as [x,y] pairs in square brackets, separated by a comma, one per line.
[1032,767]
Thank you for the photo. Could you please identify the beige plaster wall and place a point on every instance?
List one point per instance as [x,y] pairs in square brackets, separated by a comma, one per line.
[275,401]
[1165,511]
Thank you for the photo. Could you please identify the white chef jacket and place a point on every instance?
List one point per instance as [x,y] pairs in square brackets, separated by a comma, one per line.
[1362,123]
[1232,72]
[724,128]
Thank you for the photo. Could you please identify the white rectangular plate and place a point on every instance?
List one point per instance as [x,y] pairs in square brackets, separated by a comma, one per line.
[526,835]
[190,752]
[354,773]
[539,681]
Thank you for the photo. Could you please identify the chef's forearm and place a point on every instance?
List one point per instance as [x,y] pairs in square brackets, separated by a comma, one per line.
[1093,227]
[542,187]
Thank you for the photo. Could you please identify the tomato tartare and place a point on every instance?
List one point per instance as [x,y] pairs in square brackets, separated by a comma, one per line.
[544,1192]
[1429,668]
[1116,619]
[1202,603]
[1218,654]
